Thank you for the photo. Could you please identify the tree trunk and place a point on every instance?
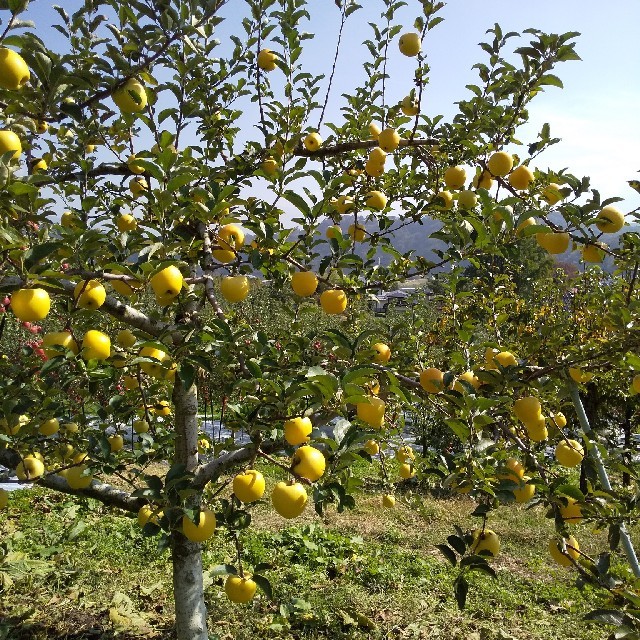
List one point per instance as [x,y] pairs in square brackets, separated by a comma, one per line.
[191,613]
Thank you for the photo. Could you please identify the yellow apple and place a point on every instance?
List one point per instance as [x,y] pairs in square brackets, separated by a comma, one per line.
[49,427]
[133,167]
[29,468]
[126,222]
[289,500]
[513,470]
[138,186]
[537,429]
[162,408]
[521,178]
[527,408]
[76,479]
[240,589]
[592,253]
[234,288]
[131,97]
[312,142]
[371,447]
[39,165]
[389,140]
[552,194]
[554,243]
[357,232]
[432,380]
[388,501]
[230,239]
[527,222]
[468,377]
[444,200]
[140,426]
[297,430]
[409,106]
[410,44]
[68,220]
[304,283]
[155,369]
[455,177]
[372,412]
[610,220]
[571,512]
[483,180]
[270,166]
[376,200]
[377,156]
[167,282]
[249,486]
[89,294]
[62,339]
[374,130]
[383,353]
[569,453]
[14,72]
[505,359]
[30,304]
[579,376]
[572,551]
[485,542]
[116,442]
[96,345]
[148,513]
[467,199]
[201,531]
[525,491]
[126,338]
[500,163]
[333,301]
[308,462]
[344,204]
[267,60]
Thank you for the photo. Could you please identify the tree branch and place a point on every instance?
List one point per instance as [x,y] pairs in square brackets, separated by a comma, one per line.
[344,147]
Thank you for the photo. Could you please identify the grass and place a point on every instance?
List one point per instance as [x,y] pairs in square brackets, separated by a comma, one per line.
[76,569]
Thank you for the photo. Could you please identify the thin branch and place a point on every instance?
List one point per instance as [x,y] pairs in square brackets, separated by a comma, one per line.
[344,147]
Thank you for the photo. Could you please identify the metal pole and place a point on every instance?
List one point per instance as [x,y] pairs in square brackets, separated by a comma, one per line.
[594,451]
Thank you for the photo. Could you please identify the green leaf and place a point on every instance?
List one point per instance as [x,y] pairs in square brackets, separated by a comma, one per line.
[571,491]
[550,79]
[297,201]
[460,590]
[264,584]
[457,543]
[223,570]
[34,255]
[179,181]
[448,553]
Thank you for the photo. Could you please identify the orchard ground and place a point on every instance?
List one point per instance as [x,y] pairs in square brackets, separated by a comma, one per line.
[72,569]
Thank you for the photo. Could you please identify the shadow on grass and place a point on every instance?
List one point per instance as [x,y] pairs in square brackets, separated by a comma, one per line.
[71,625]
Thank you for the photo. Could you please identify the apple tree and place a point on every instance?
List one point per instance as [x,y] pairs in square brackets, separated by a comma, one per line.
[165,163]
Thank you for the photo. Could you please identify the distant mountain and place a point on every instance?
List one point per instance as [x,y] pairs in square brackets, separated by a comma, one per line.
[416,237]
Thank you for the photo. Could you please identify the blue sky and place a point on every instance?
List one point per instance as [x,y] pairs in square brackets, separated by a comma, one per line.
[596,114]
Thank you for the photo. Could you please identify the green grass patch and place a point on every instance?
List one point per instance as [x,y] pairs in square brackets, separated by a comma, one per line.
[72,566]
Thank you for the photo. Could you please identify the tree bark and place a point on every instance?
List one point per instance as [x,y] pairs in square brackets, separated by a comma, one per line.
[188,591]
